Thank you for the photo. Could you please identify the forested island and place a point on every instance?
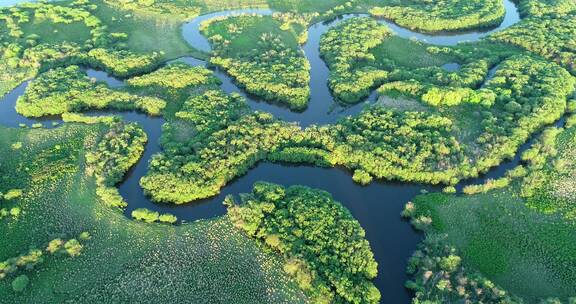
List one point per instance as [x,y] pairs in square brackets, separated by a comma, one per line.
[152,151]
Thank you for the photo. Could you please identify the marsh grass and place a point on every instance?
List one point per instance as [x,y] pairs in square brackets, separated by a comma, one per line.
[124,260]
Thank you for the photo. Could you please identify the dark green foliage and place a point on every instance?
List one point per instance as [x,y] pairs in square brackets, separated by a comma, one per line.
[314,234]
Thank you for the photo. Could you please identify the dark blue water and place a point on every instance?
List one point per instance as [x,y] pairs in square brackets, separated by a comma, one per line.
[377,206]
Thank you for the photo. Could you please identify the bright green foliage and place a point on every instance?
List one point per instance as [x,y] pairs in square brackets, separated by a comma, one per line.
[122,63]
[547,7]
[346,46]
[313,233]
[145,215]
[73,248]
[75,117]
[167,218]
[437,16]
[550,37]
[42,23]
[362,177]
[182,9]
[175,76]
[213,110]
[149,216]
[40,36]
[68,89]
[115,153]
[490,184]
[514,107]
[263,58]
[27,261]
[197,167]
[13,194]
[385,144]
[439,96]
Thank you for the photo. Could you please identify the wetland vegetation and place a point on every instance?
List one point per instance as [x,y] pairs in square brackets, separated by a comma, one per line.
[137,180]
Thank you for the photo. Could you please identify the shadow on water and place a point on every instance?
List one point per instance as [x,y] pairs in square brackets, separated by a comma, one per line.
[377,206]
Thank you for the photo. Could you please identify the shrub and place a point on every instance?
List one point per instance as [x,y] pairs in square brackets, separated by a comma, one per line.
[145,215]
[20,283]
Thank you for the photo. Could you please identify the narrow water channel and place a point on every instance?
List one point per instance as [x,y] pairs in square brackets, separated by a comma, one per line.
[377,206]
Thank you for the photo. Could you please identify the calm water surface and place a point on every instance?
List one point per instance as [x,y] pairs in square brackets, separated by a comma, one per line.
[377,206]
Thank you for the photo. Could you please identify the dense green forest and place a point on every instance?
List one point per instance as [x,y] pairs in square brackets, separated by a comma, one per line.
[313,233]
[263,58]
[508,240]
[440,16]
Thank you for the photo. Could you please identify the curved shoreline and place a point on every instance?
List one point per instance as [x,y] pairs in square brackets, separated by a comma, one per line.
[322,108]
[376,206]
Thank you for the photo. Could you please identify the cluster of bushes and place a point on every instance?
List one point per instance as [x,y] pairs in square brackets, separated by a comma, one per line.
[121,63]
[64,90]
[347,46]
[527,94]
[148,216]
[199,166]
[438,96]
[11,195]
[551,36]
[543,8]
[212,110]
[442,16]
[115,153]
[261,57]
[174,77]
[314,234]
[28,261]
[385,144]
[439,276]
[523,105]
[90,120]
[363,54]
[24,54]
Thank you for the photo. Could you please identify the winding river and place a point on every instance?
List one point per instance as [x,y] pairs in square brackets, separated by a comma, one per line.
[377,206]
